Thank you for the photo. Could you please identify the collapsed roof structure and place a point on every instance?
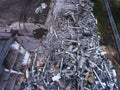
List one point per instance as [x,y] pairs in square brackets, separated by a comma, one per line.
[13,62]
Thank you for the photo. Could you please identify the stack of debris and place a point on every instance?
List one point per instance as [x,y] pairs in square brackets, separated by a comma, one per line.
[70,57]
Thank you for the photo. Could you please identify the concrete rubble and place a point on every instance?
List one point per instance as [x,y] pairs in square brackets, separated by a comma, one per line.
[69,56]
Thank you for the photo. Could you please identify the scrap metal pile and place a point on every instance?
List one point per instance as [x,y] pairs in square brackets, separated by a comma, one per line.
[70,57]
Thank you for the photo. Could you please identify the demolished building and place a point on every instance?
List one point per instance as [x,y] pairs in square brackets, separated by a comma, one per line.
[68,56]
[14,61]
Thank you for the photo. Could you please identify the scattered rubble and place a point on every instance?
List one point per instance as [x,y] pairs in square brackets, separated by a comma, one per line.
[73,59]
[69,57]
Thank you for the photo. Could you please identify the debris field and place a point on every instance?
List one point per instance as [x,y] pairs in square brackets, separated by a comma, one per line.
[65,51]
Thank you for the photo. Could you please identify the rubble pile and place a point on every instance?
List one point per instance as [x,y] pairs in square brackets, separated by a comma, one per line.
[64,48]
[70,57]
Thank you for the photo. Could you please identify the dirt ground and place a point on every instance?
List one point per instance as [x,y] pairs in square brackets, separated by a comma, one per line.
[20,15]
